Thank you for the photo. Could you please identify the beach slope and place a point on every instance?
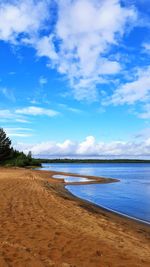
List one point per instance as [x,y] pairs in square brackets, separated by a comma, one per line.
[41,224]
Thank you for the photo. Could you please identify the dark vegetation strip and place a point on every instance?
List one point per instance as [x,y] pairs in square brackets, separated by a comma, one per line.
[66,160]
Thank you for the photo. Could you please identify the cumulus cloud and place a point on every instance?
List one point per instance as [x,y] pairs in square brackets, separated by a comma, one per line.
[86,30]
[134,91]
[88,148]
[21,19]
[45,47]
[36,111]
[77,43]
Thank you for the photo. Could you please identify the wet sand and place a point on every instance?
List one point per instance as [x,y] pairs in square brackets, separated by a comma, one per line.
[42,224]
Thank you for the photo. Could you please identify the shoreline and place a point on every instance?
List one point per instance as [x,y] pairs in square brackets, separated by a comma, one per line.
[117,213]
[97,180]
[43,224]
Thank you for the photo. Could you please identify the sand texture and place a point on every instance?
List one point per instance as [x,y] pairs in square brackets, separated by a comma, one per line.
[41,224]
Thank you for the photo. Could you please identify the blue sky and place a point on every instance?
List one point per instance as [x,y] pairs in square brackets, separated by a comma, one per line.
[75,77]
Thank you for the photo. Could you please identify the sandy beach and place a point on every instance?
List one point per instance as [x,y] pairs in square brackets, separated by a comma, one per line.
[41,224]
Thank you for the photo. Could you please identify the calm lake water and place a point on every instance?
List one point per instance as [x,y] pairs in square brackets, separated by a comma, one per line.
[72,179]
[130,196]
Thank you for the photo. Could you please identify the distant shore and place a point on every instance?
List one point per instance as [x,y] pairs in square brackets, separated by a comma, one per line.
[69,160]
[42,224]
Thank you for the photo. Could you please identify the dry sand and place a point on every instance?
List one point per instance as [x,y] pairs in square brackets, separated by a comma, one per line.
[41,224]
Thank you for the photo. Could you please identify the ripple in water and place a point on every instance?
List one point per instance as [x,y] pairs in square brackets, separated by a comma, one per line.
[130,196]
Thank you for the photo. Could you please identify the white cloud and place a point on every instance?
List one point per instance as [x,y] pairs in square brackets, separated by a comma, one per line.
[45,47]
[71,109]
[6,114]
[22,120]
[22,115]
[35,111]
[18,129]
[13,134]
[77,44]
[18,132]
[89,148]
[21,19]
[9,115]
[86,30]
[66,147]
[132,92]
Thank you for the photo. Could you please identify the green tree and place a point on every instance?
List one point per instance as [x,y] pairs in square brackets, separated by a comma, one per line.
[5,146]
[29,155]
[12,157]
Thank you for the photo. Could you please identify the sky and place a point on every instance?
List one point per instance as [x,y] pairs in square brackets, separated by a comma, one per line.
[75,77]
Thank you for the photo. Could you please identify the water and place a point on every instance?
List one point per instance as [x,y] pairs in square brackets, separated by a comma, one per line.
[71,179]
[130,196]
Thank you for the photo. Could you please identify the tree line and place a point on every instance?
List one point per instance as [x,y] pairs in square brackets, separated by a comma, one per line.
[12,157]
[69,160]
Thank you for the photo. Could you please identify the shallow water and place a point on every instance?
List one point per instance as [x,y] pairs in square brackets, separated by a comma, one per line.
[71,179]
[130,196]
